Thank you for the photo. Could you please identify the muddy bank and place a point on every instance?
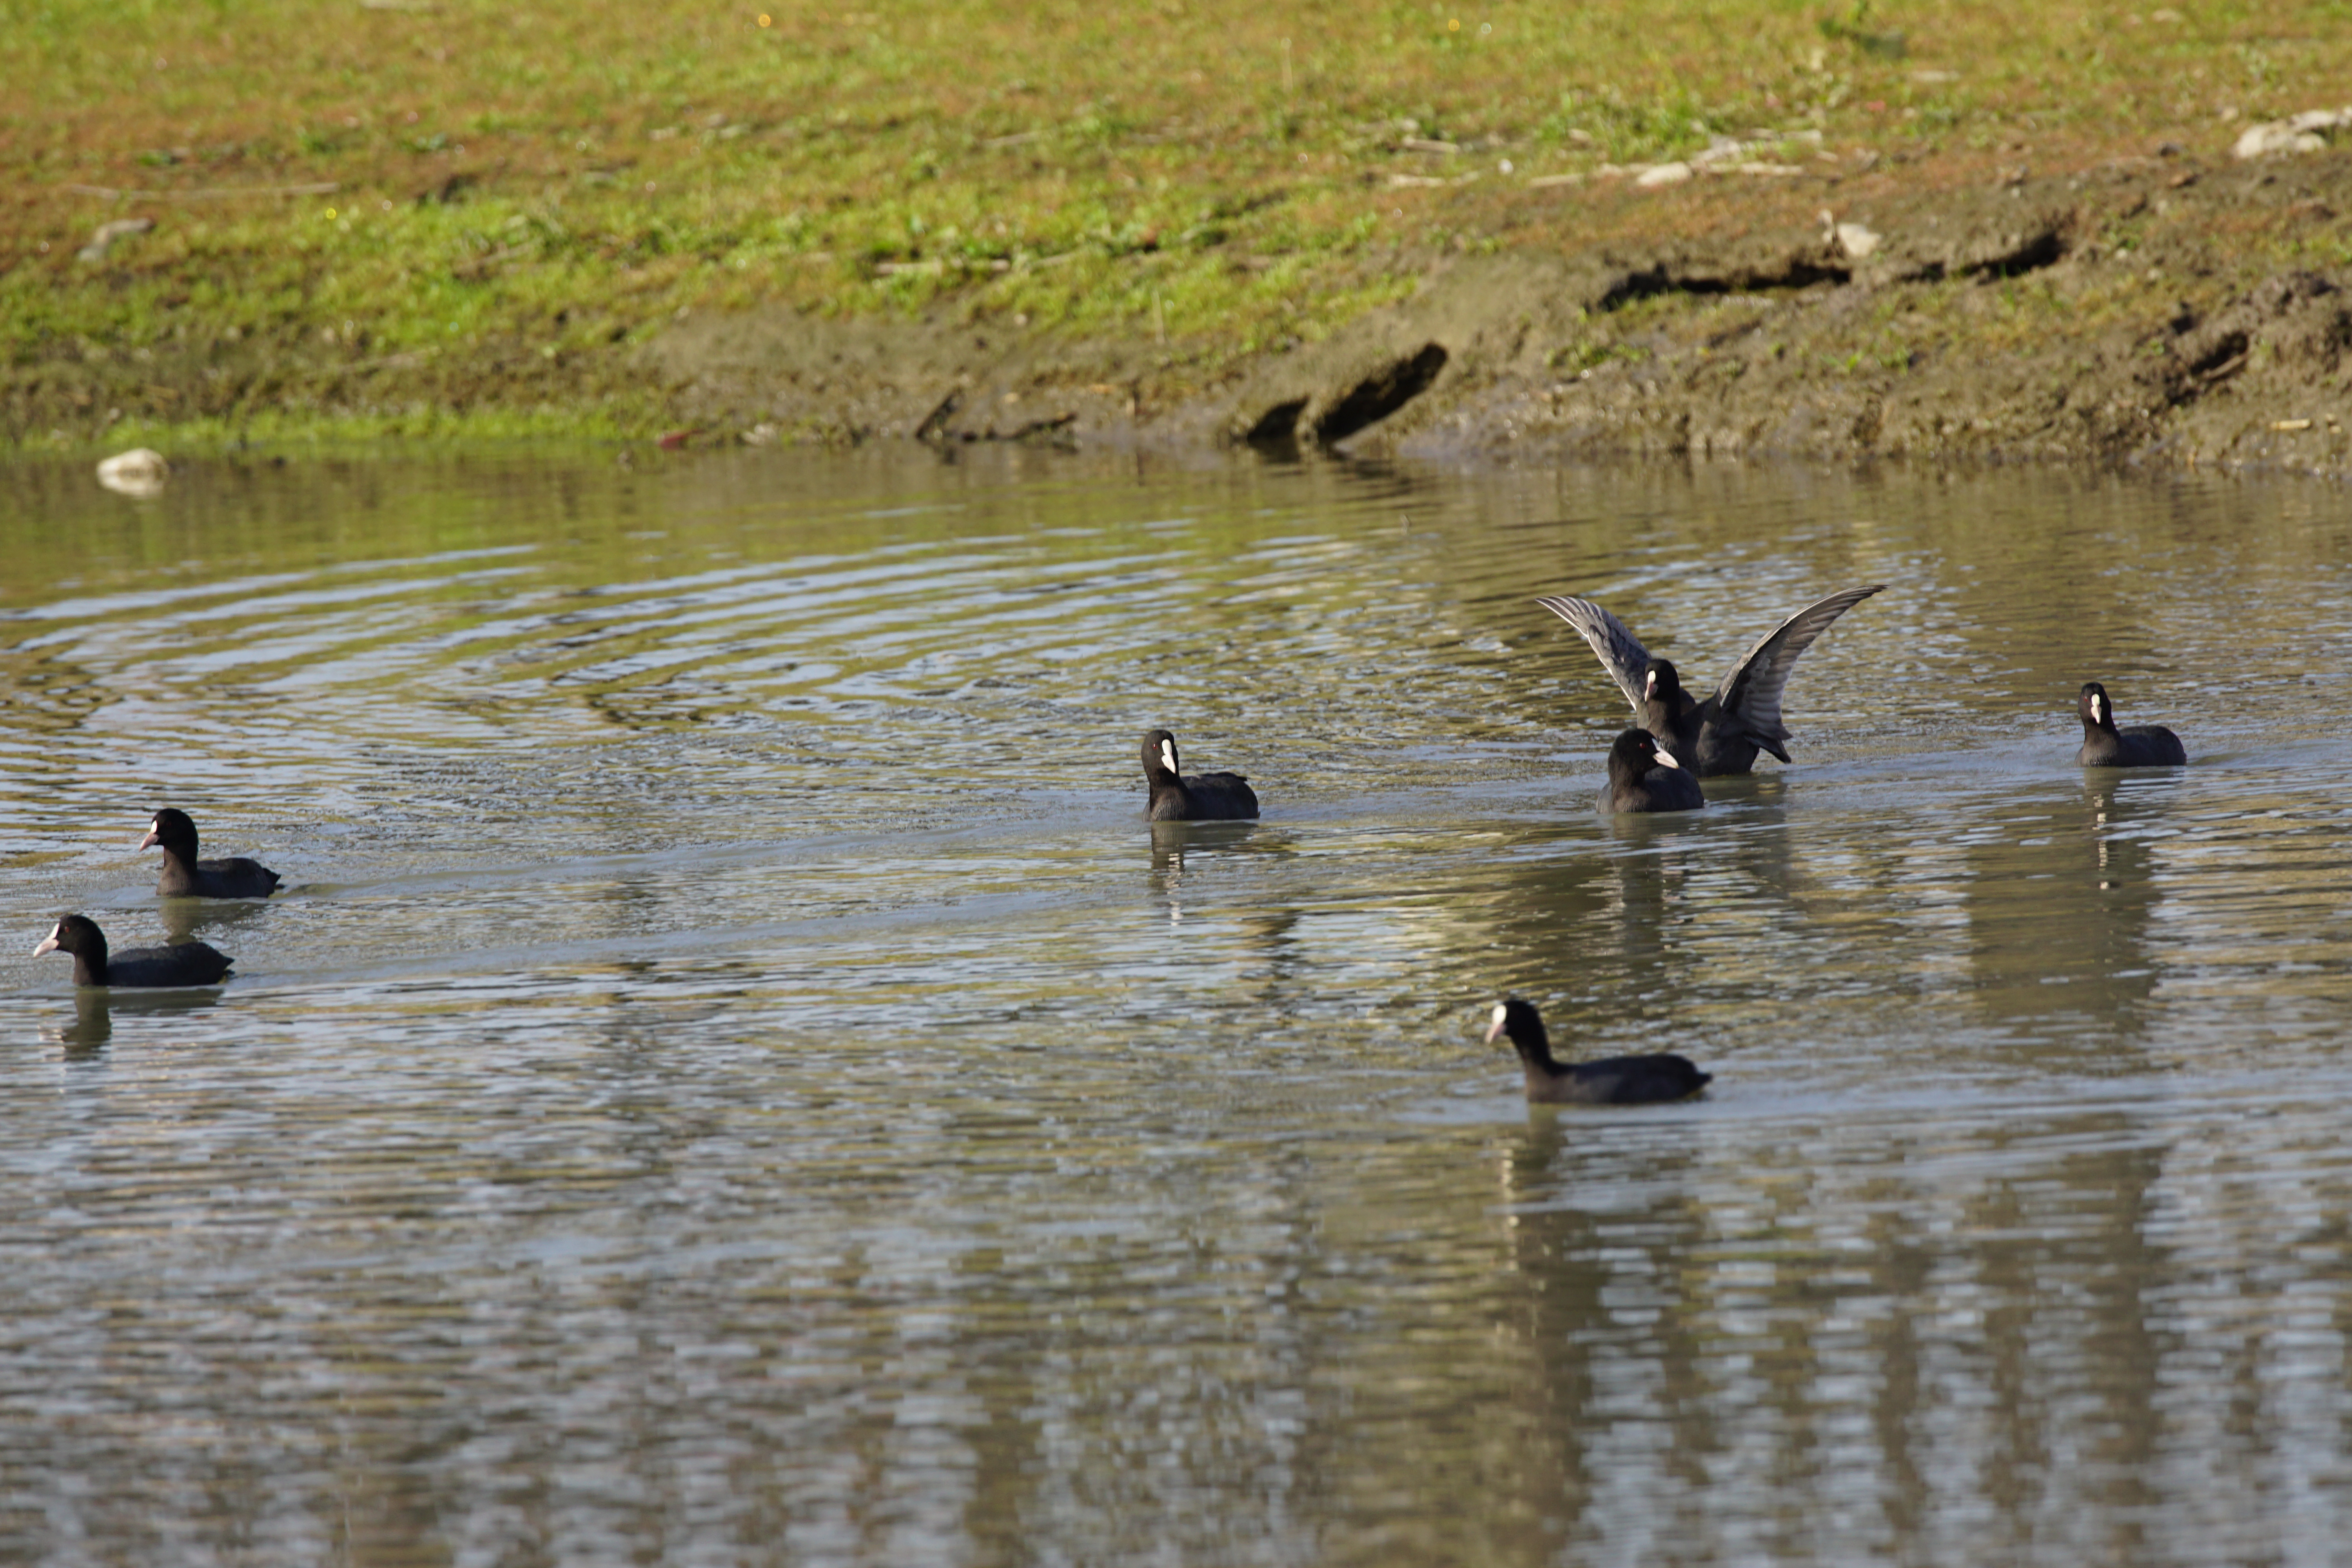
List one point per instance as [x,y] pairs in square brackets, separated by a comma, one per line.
[2165,309]
[2103,317]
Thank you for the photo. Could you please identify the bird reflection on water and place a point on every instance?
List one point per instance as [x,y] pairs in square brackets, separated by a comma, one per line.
[96,1011]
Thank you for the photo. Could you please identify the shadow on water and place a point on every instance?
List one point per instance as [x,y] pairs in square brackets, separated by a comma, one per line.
[1603,1318]
[212,920]
[1271,964]
[93,1025]
[1664,1305]
[1654,921]
[96,1009]
[2061,898]
[1171,842]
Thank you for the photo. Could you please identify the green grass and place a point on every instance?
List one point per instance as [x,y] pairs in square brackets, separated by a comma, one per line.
[520,190]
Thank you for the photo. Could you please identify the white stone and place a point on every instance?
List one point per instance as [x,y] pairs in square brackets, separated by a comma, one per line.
[140,472]
[2306,132]
[104,239]
[1853,238]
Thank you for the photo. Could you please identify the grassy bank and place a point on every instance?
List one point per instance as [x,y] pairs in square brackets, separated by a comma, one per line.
[431,217]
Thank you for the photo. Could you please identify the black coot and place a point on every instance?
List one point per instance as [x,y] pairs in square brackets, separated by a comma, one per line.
[189,964]
[184,876]
[2105,746]
[1612,1080]
[1202,797]
[1722,734]
[1645,776]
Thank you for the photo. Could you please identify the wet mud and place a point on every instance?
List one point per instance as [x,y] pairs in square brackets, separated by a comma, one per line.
[2101,317]
[2163,310]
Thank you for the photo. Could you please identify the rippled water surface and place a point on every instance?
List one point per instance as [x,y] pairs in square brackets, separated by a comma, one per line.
[732,1078]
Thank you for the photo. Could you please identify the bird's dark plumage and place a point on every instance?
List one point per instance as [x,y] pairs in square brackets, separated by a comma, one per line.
[1612,1080]
[2105,746]
[184,876]
[1200,797]
[188,964]
[1644,776]
[1723,734]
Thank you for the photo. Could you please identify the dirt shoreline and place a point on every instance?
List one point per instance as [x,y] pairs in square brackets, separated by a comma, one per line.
[1762,343]
[1894,330]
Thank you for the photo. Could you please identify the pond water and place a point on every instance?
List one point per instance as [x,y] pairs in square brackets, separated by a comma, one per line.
[733,1079]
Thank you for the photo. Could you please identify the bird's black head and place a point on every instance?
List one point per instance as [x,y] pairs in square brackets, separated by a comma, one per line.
[1636,752]
[1660,683]
[2093,704]
[1518,1019]
[1159,757]
[77,934]
[173,830]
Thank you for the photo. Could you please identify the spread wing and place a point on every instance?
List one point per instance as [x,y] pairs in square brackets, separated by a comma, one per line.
[1750,694]
[1621,655]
